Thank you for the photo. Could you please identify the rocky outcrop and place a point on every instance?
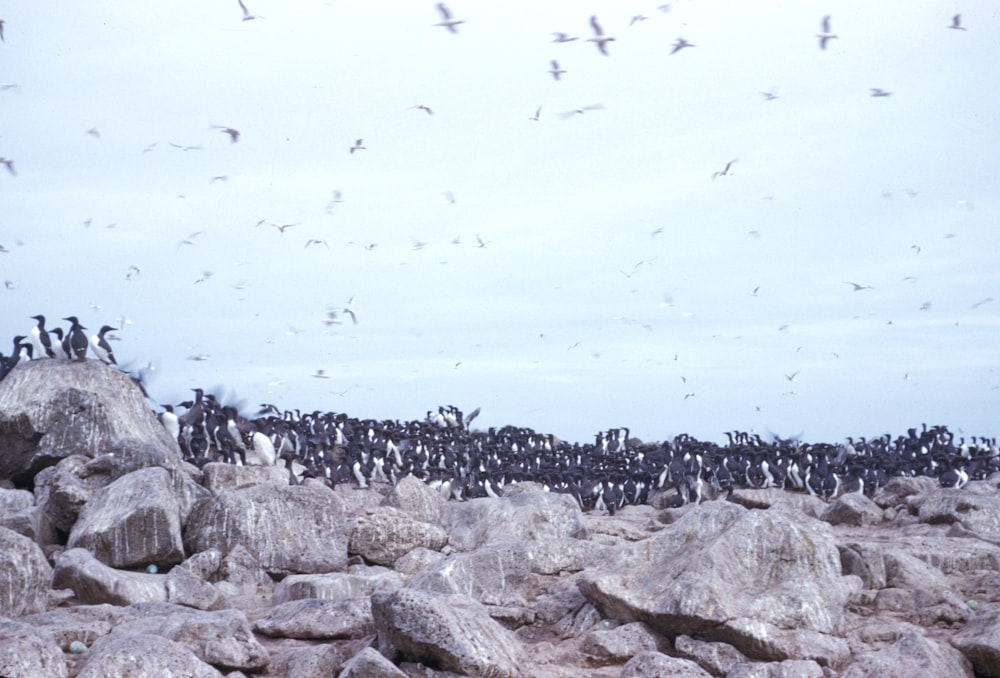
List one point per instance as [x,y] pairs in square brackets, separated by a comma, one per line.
[123,560]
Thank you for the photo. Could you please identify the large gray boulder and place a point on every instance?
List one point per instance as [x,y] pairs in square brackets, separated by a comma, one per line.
[450,632]
[767,582]
[142,655]
[286,529]
[314,618]
[336,585]
[911,655]
[495,574]
[385,534]
[52,409]
[93,582]
[979,641]
[27,651]
[24,585]
[133,521]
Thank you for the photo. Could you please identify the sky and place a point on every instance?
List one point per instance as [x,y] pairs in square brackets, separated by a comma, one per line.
[596,267]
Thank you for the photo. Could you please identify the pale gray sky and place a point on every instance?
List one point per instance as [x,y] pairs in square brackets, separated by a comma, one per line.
[619,284]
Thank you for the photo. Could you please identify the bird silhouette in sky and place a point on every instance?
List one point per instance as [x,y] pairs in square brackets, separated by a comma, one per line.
[446,19]
[826,35]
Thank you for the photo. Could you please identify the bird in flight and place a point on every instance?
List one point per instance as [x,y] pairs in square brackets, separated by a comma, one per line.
[247,16]
[826,35]
[555,70]
[564,37]
[358,146]
[681,44]
[9,164]
[581,111]
[857,287]
[446,20]
[727,172]
[537,117]
[876,92]
[234,134]
[599,38]
[791,377]
[317,241]
[1,31]
[426,109]
[956,23]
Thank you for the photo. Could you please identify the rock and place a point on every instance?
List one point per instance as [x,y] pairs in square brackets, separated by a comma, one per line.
[733,575]
[911,655]
[187,588]
[495,574]
[866,561]
[335,586]
[978,513]
[219,476]
[651,664]
[309,661]
[621,643]
[417,499]
[27,651]
[979,641]
[287,529]
[133,521]
[80,623]
[544,521]
[853,508]
[222,638]
[314,618]
[370,664]
[450,632]
[387,533]
[53,409]
[94,582]
[899,490]
[63,490]
[814,507]
[790,668]
[142,655]
[26,576]
[717,658]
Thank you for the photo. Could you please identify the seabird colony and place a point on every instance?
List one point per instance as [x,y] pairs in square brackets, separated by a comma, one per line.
[462,463]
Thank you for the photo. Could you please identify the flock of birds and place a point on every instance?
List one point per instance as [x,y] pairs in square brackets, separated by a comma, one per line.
[461,463]
[56,343]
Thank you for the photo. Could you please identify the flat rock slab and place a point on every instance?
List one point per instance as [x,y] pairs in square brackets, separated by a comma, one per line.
[93,582]
[142,655]
[318,619]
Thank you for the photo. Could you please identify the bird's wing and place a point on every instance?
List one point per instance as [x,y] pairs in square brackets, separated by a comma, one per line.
[596,26]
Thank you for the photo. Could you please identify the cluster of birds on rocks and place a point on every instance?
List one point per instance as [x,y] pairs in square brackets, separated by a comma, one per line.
[462,463]
[56,343]
[616,469]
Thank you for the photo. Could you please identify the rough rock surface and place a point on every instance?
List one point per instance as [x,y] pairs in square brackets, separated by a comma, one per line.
[251,576]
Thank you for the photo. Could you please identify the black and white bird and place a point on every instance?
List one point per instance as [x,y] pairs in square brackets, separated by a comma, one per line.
[40,338]
[446,19]
[76,342]
[599,38]
[102,349]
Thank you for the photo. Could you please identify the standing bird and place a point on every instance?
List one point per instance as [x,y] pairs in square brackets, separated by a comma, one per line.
[446,20]
[599,38]
[956,23]
[826,35]
[101,346]
[40,338]
[556,71]
[76,341]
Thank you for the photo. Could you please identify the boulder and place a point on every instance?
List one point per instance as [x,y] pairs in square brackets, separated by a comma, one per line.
[450,632]
[853,508]
[716,658]
[93,582]
[286,529]
[318,619]
[495,574]
[652,664]
[64,489]
[733,575]
[27,651]
[24,584]
[53,409]
[78,623]
[790,668]
[133,521]
[979,641]
[142,655]
[911,655]
[218,476]
[385,534]
[370,664]
[621,643]
[975,512]
[336,585]
[417,499]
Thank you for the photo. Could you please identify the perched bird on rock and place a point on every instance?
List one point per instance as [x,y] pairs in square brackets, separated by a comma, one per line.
[101,346]
[76,341]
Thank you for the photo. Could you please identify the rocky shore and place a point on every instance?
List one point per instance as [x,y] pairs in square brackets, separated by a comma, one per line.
[120,559]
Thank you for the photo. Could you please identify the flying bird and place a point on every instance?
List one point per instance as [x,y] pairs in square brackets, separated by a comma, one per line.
[555,70]
[769,96]
[876,92]
[446,19]
[636,19]
[358,146]
[94,132]
[9,164]
[537,117]
[956,23]
[564,37]
[234,134]
[247,16]
[599,38]
[1,31]
[317,241]
[857,287]
[581,111]
[826,35]
[426,109]
[791,377]
[727,172]
[681,44]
